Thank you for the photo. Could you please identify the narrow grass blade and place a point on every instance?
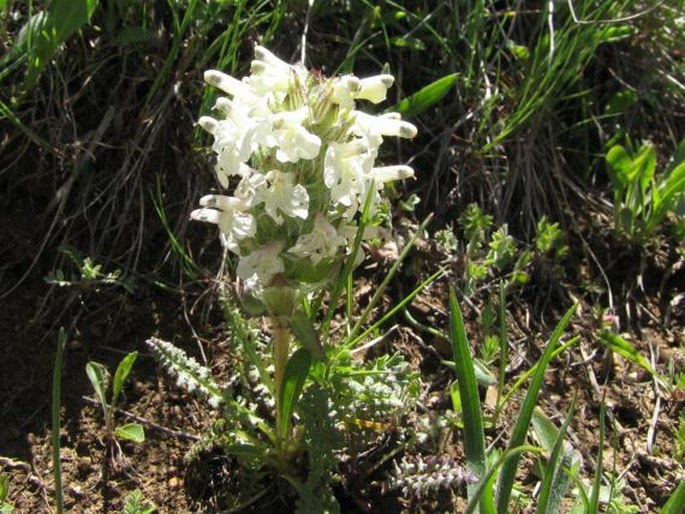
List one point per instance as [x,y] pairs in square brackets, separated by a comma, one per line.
[56,406]
[120,375]
[503,349]
[391,273]
[344,278]
[618,344]
[676,503]
[486,481]
[474,435]
[593,501]
[425,97]
[296,372]
[532,371]
[389,314]
[518,436]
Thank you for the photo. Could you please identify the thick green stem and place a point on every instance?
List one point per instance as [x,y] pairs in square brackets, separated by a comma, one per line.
[281,346]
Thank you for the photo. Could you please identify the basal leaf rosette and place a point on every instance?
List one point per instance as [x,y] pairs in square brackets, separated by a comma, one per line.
[300,160]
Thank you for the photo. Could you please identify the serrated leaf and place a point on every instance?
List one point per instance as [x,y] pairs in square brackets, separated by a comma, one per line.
[294,376]
[131,432]
[425,97]
[120,375]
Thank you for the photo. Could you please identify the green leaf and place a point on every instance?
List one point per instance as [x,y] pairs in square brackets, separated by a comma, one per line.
[425,97]
[545,430]
[619,345]
[306,334]
[474,435]
[617,157]
[4,487]
[593,500]
[97,374]
[47,30]
[122,372]
[296,372]
[131,432]
[620,102]
[518,435]
[555,478]
[520,51]
[676,503]
[645,165]
[484,376]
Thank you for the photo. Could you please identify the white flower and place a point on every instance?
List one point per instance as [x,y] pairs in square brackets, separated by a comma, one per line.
[385,125]
[374,89]
[269,74]
[390,173]
[232,143]
[321,243]
[227,84]
[227,212]
[285,196]
[293,140]
[250,189]
[343,90]
[258,268]
[345,173]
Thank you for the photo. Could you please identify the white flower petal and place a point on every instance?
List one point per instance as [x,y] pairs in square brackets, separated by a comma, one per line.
[321,243]
[226,83]
[383,125]
[374,89]
[390,173]
[264,263]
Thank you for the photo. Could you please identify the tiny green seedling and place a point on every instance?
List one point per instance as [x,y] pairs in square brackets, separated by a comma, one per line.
[99,377]
[136,504]
[5,507]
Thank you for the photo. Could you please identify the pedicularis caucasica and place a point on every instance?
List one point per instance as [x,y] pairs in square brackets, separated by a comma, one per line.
[301,162]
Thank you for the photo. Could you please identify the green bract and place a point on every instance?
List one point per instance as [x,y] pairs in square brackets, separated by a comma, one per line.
[300,160]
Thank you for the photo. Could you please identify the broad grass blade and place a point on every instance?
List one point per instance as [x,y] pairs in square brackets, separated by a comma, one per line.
[296,372]
[555,480]
[474,435]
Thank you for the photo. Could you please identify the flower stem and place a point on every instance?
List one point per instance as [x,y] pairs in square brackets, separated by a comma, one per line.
[281,346]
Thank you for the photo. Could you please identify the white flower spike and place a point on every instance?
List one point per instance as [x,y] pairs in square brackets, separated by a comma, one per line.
[301,160]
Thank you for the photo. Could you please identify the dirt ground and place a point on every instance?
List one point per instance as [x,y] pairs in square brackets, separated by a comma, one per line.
[642,418]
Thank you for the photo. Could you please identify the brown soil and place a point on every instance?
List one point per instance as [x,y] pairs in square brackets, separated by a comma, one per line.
[642,418]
